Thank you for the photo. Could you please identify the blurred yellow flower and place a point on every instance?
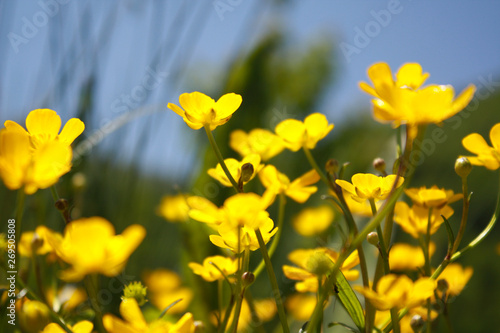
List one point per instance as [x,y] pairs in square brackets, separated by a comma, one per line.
[457,277]
[83,326]
[403,101]
[310,262]
[36,241]
[398,291]
[90,246]
[234,168]
[432,197]
[33,316]
[165,287]
[297,134]
[174,208]
[213,266]
[34,168]
[200,109]
[66,298]
[203,210]
[134,321]
[299,190]
[301,306]
[404,257]
[313,220]
[257,141]
[365,186]
[487,156]
[414,220]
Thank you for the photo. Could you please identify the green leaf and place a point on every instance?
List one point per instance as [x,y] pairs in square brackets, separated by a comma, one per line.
[335,323]
[350,302]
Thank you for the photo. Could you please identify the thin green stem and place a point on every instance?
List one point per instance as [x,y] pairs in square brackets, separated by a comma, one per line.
[315,166]
[90,285]
[218,154]
[465,213]
[274,282]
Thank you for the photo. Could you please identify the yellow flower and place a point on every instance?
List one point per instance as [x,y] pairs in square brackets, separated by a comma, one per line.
[34,168]
[432,197]
[313,221]
[91,246]
[398,291]
[257,141]
[200,109]
[203,210]
[135,323]
[212,267]
[83,326]
[299,190]
[297,134]
[367,186]
[406,257]
[36,241]
[457,277]
[174,208]
[228,236]
[301,306]
[234,168]
[165,287]
[403,101]
[66,298]
[312,261]
[34,316]
[414,220]
[487,156]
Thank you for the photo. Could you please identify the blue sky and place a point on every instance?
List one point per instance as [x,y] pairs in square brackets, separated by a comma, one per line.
[141,54]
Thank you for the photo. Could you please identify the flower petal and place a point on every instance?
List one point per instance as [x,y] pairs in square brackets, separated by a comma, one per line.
[73,128]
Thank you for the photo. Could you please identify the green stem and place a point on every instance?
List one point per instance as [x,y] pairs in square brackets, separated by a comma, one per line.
[218,154]
[274,282]
[465,213]
[90,285]
[315,166]
[276,238]
[21,196]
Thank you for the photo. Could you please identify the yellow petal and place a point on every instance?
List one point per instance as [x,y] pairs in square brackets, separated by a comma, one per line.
[411,75]
[476,144]
[463,99]
[15,157]
[84,326]
[227,105]
[198,107]
[43,121]
[292,132]
[73,128]
[130,311]
[495,137]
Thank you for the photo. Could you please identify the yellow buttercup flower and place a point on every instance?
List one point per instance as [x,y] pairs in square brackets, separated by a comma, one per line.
[404,101]
[134,321]
[83,326]
[213,267]
[66,298]
[199,109]
[414,220]
[299,190]
[311,262]
[36,241]
[313,221]
[90,246]
[487,156]
[297,134]
[398,291]
[301,306]
[234,168]
[165,287]
[457,277]
[404,257]
[257,141]
[33,316]
[174,208]
[203,210]
[432,197]
[365,186]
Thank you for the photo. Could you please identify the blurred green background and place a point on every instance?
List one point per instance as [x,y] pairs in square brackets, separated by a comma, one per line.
[280,76]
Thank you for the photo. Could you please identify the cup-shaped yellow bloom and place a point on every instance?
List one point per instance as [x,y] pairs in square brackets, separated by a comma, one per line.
[399,291]
[234,167]
[214,267]
[365,186]
[165,287]
[90,246]
[174,208]
[297,134]
[487,156]
[404,257]
[83,326]
[457,277]
[299,190]
[134,322]
[228,236]
[404,101]
[414,220]
[257,141]
[198,109]
[313,221]
[432,197]
[314,262]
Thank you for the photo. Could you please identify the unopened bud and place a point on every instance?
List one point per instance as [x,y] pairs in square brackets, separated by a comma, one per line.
[332,166]
[443,285]
[379,165]
[372,238]
[199,326]
[463,167]
[247,278]
[62,205]
[135,290]
[417,323]
[247,171]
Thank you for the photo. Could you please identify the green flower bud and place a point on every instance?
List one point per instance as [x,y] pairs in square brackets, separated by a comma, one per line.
[379,165]
[463,167]
[417,323]
[248,278]
[332,166]
[319,264]
[372,238]
[443,285]
[135,290]
[246,172]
